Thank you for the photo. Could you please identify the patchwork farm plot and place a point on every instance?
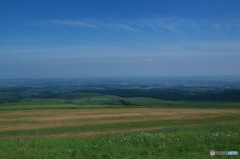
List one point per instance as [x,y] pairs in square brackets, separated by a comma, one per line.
[85,122]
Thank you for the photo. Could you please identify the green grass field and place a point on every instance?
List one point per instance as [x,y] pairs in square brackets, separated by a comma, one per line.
[165,143]
[110,101]
[107,126]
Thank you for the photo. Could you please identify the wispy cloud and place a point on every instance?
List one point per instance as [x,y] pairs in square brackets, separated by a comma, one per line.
[152,24]
[89,23]
[124,26]
[74,23]
[185,25]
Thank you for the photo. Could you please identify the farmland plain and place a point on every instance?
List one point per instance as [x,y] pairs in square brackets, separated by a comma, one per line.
[99,122]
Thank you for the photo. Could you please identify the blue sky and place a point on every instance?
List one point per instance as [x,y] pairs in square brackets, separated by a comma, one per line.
[119,38]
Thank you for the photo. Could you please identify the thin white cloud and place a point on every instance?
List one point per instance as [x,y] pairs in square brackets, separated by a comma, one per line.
[152,24]
[185,25]
[69,23]
[94,24]
[127,27]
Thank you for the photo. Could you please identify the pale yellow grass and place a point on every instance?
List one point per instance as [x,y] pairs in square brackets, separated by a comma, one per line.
[35,119]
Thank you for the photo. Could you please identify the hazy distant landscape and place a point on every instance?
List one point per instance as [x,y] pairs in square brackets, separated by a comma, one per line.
[88,91]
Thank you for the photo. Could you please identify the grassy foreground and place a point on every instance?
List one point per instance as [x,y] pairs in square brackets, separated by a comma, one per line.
[117,132]
[164,143]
